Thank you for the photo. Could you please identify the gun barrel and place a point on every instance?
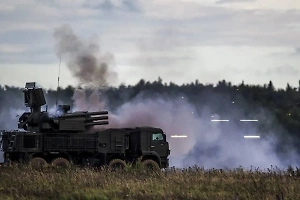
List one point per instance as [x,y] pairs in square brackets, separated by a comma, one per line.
[85,114]
[98,113]
[97,123]
[96,118]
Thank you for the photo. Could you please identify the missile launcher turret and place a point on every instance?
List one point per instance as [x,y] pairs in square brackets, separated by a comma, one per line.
[41,121]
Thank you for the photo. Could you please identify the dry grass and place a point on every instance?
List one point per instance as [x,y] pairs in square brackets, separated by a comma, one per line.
[192,183]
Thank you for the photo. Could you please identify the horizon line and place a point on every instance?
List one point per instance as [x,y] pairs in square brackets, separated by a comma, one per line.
[196,81]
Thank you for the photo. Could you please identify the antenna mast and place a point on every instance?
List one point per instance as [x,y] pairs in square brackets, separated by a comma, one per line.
[58,81]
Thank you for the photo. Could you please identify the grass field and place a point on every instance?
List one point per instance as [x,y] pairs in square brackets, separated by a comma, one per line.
[192,183]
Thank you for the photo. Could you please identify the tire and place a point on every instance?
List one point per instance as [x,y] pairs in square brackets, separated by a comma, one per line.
[151,165]
[61,162]
[38,162]
[117,164]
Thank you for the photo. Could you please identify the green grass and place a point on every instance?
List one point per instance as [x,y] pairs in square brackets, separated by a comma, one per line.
[192,183]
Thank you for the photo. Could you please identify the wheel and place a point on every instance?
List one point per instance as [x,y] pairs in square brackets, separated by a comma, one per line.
[117,164]
[151,165]
[61,162]
[38,162]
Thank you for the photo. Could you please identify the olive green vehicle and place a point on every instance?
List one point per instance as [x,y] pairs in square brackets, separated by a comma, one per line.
[73,138]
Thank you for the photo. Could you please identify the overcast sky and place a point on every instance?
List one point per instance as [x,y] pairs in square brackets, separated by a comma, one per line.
[178,40]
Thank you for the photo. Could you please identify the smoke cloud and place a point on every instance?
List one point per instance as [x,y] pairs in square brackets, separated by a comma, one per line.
[208,144]
[92,68]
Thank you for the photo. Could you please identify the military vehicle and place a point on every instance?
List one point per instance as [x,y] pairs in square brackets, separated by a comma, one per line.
[79,138]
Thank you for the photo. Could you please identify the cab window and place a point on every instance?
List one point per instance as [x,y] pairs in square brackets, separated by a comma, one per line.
[157,136]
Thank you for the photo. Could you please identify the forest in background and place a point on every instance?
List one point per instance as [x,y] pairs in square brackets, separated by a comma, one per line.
[277,110]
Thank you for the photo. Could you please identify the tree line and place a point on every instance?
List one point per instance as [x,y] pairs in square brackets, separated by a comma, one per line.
[224,99]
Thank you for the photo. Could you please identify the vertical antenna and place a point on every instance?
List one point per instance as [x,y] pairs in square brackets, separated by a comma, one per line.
[58,82]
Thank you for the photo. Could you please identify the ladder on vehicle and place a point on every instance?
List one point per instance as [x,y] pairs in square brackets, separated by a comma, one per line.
[12,141]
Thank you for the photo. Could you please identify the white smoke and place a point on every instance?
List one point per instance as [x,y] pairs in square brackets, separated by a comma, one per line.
[208,144]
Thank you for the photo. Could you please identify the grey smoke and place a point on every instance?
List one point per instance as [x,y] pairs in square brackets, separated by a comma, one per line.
[91,67]
[209,144]
[178,117]
[79,98]
[83,102]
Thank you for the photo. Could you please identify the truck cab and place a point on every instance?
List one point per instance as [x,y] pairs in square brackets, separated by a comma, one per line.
[152,145]
[160,145]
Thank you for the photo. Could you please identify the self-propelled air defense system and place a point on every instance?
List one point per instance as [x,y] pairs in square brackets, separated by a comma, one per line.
[79,138]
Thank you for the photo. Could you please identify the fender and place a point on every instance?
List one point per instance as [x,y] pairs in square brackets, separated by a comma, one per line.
[152,153]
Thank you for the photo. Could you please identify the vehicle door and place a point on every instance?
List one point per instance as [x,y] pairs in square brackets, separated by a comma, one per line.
[158,144]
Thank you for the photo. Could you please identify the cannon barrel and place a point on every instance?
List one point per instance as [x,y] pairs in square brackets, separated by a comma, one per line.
[85,114]
[96,123]
[98,113]
[96,118]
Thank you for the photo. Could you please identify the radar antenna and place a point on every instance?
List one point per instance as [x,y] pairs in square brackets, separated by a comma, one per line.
[58,82]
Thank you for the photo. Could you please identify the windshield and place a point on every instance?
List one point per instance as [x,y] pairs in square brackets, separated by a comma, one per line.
[157,136]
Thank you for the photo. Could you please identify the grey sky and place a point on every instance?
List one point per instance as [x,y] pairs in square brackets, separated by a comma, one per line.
[234,1]
[178,40]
